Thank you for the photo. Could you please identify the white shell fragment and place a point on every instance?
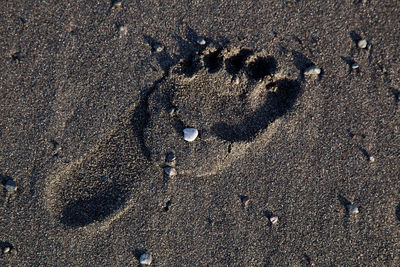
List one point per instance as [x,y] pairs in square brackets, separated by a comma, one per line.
[201,41]
[313,70]
[354,66]
[274,219]
[352,209]
[170,171]
[362,44]
[145,259]
[190,134]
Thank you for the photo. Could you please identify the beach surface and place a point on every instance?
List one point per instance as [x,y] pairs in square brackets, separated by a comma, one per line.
[295,160]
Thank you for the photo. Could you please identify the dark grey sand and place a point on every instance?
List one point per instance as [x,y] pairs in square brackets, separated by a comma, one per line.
[84,134]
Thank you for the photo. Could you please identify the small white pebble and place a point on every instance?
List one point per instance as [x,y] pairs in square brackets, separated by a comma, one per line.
[6,250]
[145,259]
[190,134]
[117,4]
[171,111]
[236,80]
[158,48]
[201,41]
[362,44]
[372,159]
[170,157]
[313,70]
[170,171]
[123,30]
[352,209]
[274,219]
[354,66]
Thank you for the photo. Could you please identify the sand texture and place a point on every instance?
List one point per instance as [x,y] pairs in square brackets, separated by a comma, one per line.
[297,158]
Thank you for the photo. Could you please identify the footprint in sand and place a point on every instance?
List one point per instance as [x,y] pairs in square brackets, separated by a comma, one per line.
[232,96]
[101,186]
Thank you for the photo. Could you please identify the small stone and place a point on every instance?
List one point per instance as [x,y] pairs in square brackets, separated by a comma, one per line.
[362,44]
[171,111]
[190,134]
[313,70]
[158,48]
[170,157]
[6,250]
[170,171]
[11,186]
[117,4]
[274,219]
[236,80]
[245,200]
[123,30]
[372,159]
[145,259]
[201,41]
[354,66]
[352,209]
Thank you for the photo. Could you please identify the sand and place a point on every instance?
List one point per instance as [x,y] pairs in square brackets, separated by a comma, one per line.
[86,91]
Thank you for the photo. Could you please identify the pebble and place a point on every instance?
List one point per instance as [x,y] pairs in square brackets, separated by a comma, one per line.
[170,171]
[171,111]
[352,209]
[158,48]
[236,80]
[145,259]
[170,157]
[354,66]
[190,134]
[313,70]
[11,186]
[123,30]
[6,250]
[372,159]
[245,201]
[117,4]
[362,44]
[274,219]
[201,41]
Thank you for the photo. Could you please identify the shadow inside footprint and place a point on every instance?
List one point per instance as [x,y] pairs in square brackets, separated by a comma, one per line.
[190,65]
[82,211]
[262,67]
[213,61]
[277,104]
[235,63]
